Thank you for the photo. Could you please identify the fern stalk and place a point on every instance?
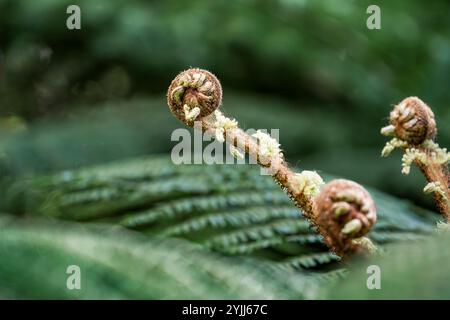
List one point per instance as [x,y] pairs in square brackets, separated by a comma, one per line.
[343,213]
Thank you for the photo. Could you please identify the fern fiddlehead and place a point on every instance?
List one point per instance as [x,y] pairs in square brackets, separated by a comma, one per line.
[195,96]
[413,127]
[348,211]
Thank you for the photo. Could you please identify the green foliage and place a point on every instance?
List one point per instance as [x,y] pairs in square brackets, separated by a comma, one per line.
[116,264]
[308,261]
[73,101]
[266,42]
[418,271]
[230,209]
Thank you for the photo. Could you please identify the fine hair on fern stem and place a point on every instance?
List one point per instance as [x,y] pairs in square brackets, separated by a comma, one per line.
[413,128]
[343,213]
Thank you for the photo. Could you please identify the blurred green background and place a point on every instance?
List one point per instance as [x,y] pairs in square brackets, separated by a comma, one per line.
[309,68]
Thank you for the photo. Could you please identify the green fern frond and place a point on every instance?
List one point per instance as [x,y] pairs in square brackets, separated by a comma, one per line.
[235,218]
[113,263]
[201,204]
[225,208]
[251,247]
[387,237]
[331,276]
[387,226]
[309,261]
[261,232]
[114,196]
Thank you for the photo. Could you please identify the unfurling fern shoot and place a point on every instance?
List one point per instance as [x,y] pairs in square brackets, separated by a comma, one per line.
[413,127]
[343,212]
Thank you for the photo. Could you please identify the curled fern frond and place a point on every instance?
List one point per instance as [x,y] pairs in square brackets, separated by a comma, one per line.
[414,129]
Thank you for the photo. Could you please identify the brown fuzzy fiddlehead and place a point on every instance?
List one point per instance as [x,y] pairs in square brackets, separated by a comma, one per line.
[414,129]
[195,95]
[413,121]
[346,211]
